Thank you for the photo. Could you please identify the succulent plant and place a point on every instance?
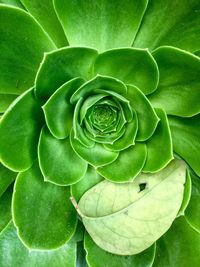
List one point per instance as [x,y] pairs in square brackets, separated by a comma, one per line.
[99,133]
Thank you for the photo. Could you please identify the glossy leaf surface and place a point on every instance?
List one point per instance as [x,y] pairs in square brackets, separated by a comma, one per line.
[179,247]
[125,65]
[42,212]
[44,13]
[61,66]
[58,161]
[186,139]
[193,208]
[103,24]
[127,166]
[5,208]
[6,100]
[187,194]
[6,178]
[174,23]
[159,146]
[90,179]
[58,110]
[19,132]
[179,82]
[15,3]
[147,117]
[14,253]
[99,82]
[98,155]
[22,45]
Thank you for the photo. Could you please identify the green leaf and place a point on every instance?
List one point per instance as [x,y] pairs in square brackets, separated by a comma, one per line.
[23,43]
[187,194]
[174,23]
[5,101]
[179,247]
[61,66]
[117,96]
[6,178]
[19,132]
[58,161]
[90,179]
[179,82]
[103,24]
[16,3]
[128,138]
[88,103]
[193,210]
[147,118]
[42,212]
[159,146]
[44,13]
[97,155]
[14,253]
[5,208]
[81,256]
[60,122]
[186,139]
[127,166]
[79,132]
[99,82]
[130,65]
[95,256]
[125,219]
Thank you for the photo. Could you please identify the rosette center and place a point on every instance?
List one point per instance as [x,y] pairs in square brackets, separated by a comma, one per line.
[103,115]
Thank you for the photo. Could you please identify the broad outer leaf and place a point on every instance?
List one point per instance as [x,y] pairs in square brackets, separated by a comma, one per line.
[23,43]
[14,253]
[62,65]
[159,146]
[127,166]
[44,12]
[90,179]
[42,212]
[193,210]
[100,24]
[5,101]
[58,161]
[130,65]
[147,117]
[16,3]
[179,82]
[174,23]
[19,132]
[179,247]
[186,139]
[126,219]
[96,255]
[6,178]
[5,208]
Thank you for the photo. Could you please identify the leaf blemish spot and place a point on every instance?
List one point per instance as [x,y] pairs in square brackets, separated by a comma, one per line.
[142,187]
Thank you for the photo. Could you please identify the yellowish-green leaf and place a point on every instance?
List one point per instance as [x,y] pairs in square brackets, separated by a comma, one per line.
[126,219]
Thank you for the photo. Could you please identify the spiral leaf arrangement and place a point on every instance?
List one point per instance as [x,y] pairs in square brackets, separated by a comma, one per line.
[100,133]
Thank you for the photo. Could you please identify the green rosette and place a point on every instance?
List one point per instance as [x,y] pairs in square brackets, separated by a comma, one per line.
[99,133]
